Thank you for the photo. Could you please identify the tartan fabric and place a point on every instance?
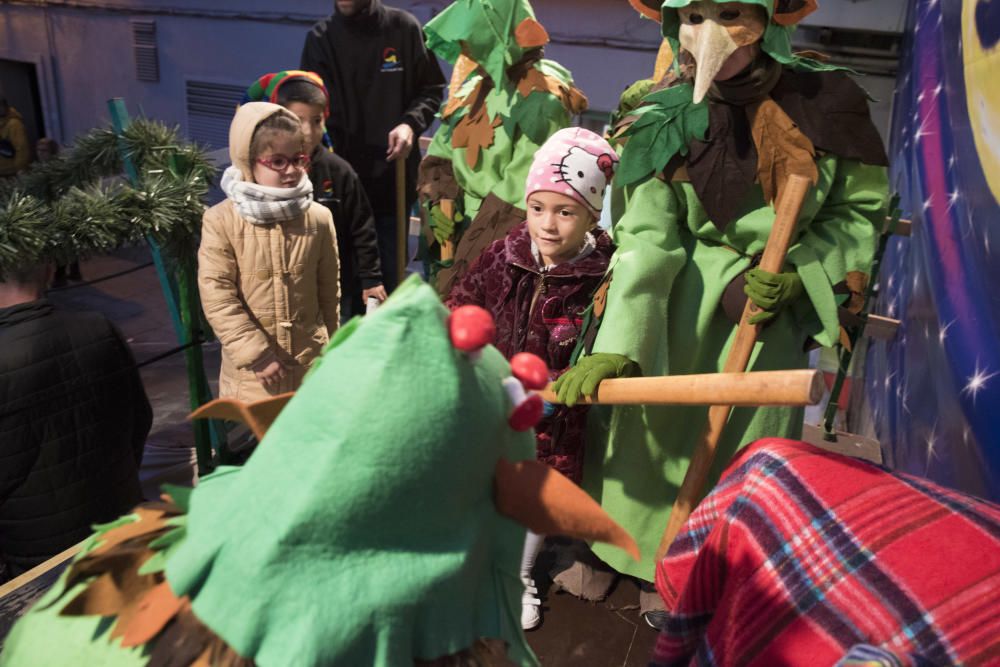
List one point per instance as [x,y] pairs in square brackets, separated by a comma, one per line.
[800,555]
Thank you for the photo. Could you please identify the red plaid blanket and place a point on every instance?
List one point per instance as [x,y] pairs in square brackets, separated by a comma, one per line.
[798,555]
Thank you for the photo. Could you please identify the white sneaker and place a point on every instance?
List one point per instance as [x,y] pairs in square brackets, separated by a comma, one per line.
[531,606]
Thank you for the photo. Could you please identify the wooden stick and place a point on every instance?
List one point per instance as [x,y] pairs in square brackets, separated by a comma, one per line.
[787,215]
[39,570]
[448,247]
[772,388]
[402,220]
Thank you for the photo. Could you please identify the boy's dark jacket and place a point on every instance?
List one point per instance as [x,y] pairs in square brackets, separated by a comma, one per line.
[504,280]
[73,422]
[337,186]
[379,74]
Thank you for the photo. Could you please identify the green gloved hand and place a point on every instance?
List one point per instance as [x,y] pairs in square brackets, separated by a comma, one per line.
[443,226]
[582,379]
[771,291]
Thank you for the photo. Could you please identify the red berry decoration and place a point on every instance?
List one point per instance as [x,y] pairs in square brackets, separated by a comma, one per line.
[471,328]
[530,370]
[527,414]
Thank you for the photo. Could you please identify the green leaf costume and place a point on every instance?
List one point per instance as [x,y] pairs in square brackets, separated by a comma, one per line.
[498,115]
[353,536]
[695,219]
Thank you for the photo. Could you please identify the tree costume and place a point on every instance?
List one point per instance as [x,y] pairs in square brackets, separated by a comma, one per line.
[703,162]
[350,537]
[505,101]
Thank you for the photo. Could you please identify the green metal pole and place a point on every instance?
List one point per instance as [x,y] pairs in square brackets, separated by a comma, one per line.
[182,303]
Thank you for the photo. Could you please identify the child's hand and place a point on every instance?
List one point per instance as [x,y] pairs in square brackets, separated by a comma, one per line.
[378,292]
[271,374]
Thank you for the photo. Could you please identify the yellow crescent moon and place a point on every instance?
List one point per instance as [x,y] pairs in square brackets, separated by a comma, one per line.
[982,95]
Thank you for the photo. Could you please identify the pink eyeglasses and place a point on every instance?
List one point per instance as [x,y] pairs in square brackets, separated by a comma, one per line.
[281,162]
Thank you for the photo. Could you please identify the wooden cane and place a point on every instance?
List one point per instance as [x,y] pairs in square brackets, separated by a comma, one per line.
[693,486]
[448,247]
[402,220]
[764,388]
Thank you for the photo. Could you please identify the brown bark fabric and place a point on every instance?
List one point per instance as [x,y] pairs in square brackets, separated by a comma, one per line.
[825,112]
[436,180]
[495,218]
[723,168]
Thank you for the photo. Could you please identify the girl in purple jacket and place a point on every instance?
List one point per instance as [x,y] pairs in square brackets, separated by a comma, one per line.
[538,281]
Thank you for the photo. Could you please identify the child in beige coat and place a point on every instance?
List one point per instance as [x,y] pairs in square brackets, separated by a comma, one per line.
[268,270]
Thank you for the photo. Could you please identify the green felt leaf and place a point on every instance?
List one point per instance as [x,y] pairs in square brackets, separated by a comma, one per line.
[666,127]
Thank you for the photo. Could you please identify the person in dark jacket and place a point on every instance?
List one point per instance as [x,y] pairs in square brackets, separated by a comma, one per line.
[385,88]
[538,281]
[335,185]
[73,422]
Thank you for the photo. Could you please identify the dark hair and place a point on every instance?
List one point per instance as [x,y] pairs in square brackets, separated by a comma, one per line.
[301,90]
[273,125]
[31,275]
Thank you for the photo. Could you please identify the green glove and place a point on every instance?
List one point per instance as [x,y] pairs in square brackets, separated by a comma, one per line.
[771,291]
[443,226]
[582,379]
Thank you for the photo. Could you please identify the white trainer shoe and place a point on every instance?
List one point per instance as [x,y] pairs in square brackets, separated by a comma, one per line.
[531,606]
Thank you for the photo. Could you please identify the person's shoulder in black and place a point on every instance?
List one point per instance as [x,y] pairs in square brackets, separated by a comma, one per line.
[72,429]
[336,185]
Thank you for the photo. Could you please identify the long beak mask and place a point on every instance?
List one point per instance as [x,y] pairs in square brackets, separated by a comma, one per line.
[547,503]
[712,32]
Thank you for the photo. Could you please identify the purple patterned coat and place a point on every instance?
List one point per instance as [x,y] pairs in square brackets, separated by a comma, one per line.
[542,314]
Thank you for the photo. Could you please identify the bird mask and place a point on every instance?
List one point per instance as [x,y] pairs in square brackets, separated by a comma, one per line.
[711,31]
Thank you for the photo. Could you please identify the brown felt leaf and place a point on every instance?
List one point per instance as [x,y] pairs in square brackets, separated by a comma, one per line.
[474,132]
[112,592]
[476,97]
[464,66]
[571,97]
[150,616]
[790,12]
[530,34]
[782,149]
[664,60]
[150,520]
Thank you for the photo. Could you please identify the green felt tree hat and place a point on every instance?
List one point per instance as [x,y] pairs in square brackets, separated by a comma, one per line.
[782,17]
[493,33]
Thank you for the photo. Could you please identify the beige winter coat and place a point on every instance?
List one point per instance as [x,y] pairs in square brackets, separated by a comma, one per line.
[267,290]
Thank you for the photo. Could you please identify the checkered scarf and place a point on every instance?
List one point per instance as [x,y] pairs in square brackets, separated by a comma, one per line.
[262,205]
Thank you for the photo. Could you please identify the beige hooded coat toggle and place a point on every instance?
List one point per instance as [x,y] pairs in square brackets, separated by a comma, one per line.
[269,291]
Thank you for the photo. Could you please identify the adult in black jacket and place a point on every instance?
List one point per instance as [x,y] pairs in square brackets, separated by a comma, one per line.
[385,88]
[73,421]
[336,186]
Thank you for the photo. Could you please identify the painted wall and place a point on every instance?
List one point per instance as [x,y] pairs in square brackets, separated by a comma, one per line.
[84,53]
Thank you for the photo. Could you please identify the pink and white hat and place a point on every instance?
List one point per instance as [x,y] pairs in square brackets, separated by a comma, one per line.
[574,162]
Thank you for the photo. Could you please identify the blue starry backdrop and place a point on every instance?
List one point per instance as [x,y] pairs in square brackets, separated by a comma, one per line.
[935,389]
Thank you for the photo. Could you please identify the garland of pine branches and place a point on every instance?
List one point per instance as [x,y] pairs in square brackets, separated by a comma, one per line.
[78,204]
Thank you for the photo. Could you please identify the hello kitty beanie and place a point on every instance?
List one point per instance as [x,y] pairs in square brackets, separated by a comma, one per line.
[574,162]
